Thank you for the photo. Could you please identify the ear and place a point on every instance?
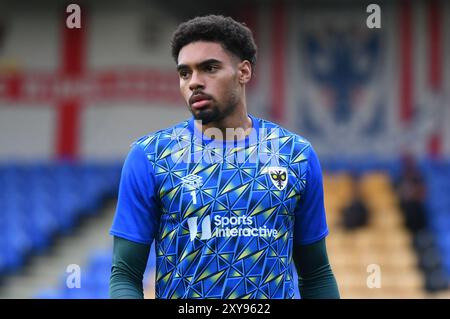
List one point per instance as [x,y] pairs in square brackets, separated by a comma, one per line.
[244,71]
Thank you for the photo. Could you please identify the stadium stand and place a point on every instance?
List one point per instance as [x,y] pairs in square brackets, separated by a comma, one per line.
[95,280]
[386,242]
[343,96]
[383,243]
[43,200]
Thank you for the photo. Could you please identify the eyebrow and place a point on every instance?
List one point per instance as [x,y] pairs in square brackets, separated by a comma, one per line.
[201,64]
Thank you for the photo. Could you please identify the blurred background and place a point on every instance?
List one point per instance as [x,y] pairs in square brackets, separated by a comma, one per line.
[373,102]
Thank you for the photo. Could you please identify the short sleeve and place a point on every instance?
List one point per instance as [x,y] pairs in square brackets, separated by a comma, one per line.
[310,220]
[137,213]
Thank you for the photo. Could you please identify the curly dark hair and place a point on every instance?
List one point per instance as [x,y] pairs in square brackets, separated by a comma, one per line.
[235,37]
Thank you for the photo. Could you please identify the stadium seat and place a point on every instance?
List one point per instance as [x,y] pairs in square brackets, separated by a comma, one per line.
[42,199]
[48,294]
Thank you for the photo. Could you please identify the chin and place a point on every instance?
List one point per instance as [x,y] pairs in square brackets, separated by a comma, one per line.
[206,116]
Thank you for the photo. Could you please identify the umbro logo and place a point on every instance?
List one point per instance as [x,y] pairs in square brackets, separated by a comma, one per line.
[192,181]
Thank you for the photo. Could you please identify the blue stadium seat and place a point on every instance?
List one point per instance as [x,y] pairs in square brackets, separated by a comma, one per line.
[94,278]
[48,294]
[39,200]
[76,293]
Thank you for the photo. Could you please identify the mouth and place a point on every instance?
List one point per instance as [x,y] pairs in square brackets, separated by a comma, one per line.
[199,101]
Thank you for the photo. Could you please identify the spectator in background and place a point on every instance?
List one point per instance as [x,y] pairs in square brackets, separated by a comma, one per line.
[356,214]
[412,191]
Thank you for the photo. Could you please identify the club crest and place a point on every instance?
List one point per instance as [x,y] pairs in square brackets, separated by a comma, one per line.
[278,176]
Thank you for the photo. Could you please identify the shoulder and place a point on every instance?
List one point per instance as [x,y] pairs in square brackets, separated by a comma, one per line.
[287,139]
[153,144]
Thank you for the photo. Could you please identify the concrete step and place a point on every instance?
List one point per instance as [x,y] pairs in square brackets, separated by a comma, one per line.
[48,270]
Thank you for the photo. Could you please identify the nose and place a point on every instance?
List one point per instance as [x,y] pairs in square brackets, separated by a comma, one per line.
[196,81]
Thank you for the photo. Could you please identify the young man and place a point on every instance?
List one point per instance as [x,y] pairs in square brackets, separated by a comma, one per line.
[228,214]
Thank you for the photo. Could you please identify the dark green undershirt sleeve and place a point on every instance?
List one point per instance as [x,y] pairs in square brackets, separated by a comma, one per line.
[128,267]
[315,277]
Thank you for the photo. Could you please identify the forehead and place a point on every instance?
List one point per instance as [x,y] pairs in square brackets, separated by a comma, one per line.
[196,52]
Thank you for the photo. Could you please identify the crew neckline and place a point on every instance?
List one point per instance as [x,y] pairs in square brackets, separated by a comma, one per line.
[224,143]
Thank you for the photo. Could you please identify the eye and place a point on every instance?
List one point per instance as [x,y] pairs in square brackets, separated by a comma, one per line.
[211,68]
[283,177]
[275,176]
[184,74]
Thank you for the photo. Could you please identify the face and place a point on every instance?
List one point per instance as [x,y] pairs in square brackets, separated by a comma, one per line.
[210,80]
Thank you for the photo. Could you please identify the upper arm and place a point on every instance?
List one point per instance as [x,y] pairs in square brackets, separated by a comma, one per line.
[137,212]
[310,220]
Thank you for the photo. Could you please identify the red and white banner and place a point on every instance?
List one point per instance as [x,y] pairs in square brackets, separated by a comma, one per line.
[350,90]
